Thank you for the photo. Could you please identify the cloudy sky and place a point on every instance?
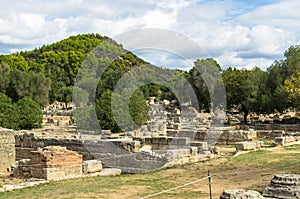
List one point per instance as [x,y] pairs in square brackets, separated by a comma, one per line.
[236,33]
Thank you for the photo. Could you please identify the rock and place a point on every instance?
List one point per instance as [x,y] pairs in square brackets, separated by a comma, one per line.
[240,194]
[91,166]
[284,186]
[28,183]
[247,146]
[110,172]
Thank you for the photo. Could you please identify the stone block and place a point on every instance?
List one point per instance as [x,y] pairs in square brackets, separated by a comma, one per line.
[240,193]
[247,146]
[91,166]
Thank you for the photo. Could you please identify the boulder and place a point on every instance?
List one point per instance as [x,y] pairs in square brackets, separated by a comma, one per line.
[91,166]
[247,146]
[240,194]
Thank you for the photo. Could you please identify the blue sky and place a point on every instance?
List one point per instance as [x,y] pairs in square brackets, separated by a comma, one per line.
[236,33]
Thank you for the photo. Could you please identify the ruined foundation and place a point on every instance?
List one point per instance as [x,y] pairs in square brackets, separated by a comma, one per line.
[55,163]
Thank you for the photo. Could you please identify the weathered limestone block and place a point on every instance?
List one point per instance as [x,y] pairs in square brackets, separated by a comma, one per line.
[110,172]
[284,186]
[106,132]
[7,149]
[91,166]
[240,194]
[247,146]
[57,173]
[202,146]
[173,155]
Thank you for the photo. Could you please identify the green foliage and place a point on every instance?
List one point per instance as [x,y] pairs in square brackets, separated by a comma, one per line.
[138,108]
[49,73]
[199,76]
[80,97]
[25,114]
[85,118]
[4,77]
[292,87]
[64,94]
[30,114]
[279,72]
[104,113]
[9,115]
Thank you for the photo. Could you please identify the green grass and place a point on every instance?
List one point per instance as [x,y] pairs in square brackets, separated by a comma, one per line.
[136,186]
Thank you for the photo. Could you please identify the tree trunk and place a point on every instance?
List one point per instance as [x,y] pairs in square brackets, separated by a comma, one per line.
[246,113]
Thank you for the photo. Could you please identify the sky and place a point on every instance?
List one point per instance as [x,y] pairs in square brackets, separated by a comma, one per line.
[236,33]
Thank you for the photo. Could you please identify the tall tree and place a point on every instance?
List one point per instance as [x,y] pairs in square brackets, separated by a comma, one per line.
[240,88]
[30,114]
[9,115]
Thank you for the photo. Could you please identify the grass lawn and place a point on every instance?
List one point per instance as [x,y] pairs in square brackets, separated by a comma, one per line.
[249,171]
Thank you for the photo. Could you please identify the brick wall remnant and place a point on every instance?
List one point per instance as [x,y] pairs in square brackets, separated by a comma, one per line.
[55,163]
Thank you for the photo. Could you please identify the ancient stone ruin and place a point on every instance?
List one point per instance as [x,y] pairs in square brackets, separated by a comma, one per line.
[55,163]
[240,194]
[284,186]
[7,149]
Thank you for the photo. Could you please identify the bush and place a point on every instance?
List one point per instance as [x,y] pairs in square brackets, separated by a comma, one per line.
[30,114]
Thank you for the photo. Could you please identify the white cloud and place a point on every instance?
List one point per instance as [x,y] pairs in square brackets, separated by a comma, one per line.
[227,30]
[284,14]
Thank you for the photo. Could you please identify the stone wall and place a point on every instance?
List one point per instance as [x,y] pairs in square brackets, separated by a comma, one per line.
[220,135]
[27,142]
[55,163]
[284,127]
[7,149]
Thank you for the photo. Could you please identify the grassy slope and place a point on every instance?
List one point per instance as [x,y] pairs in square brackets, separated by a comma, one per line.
[250,171]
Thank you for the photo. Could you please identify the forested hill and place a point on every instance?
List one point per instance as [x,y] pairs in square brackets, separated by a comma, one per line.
[40,76]
[54,67]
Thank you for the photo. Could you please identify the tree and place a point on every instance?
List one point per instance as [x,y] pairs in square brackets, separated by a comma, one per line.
[104,113]
[39,88]
[279,72]
[65,95]
[241,90]
[80,97]
[9,115]
[4,77]
[292,86]
[138,108]
[30,114]
[85,118]
[205,71]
